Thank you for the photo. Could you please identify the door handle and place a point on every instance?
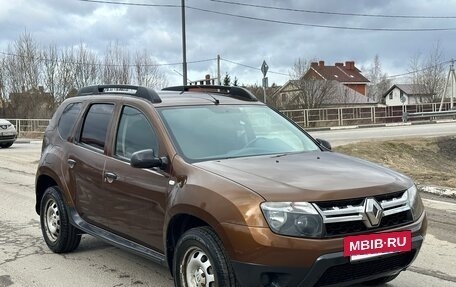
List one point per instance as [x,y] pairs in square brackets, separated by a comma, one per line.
[110,177]
[71,163]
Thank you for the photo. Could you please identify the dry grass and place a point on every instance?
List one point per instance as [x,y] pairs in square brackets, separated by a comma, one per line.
[428,160]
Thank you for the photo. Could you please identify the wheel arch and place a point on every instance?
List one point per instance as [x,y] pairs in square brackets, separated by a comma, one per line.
[42,182]
[181,222]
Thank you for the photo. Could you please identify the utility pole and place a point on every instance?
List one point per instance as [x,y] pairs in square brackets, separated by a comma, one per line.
[184,46]
[219,81]
[450,79]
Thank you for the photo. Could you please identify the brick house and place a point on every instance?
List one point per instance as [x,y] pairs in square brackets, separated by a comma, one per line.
[347,74]
[350,85]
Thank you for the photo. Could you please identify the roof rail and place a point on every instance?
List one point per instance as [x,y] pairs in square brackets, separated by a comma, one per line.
[235,92]
[141,92]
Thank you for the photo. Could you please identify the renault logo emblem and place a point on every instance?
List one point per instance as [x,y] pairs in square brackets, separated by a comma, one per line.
[373,211]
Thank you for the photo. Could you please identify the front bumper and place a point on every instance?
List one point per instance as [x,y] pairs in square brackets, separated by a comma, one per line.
[328,268]
[7,138]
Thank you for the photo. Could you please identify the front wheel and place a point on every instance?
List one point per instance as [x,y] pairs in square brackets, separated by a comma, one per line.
[6,145]
[59,234]
[200,260]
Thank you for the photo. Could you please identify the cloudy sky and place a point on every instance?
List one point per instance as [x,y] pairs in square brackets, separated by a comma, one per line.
[240,40]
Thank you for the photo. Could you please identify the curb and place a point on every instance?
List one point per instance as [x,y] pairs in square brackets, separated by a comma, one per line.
[28,141]
[379,125]
[437,190]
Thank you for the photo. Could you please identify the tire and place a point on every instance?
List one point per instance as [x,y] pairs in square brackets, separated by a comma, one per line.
[200,260]
[6,145]
[381,280]
[59,234]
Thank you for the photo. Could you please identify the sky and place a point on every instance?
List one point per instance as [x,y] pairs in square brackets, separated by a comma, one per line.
[243,44]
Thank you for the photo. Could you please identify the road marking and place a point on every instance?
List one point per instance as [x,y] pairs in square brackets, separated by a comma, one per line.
[442,205]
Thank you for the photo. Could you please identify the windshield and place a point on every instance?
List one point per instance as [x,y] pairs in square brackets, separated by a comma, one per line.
[224,131]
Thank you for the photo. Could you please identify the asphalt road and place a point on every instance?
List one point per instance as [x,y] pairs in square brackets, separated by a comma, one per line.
[345,136]
[26,261]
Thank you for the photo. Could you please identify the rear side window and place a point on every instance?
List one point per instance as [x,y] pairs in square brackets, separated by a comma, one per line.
[68,119]
[96,125]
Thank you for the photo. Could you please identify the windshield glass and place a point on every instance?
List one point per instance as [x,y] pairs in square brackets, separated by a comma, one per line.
[224,131]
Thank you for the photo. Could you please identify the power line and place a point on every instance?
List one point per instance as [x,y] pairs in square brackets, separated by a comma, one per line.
[323,26]
[130,4]
[280,21]
[420,70]
[43,59]
[332,13]
[251,67]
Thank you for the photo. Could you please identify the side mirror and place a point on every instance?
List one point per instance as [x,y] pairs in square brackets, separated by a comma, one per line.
[147,159]
[324,144]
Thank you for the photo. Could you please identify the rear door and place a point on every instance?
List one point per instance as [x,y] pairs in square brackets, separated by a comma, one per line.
[136,205]
[86,161]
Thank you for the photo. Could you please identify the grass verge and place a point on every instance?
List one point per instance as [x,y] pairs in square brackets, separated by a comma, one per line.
[429,161]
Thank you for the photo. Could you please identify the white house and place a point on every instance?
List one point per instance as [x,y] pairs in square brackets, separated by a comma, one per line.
[406,94]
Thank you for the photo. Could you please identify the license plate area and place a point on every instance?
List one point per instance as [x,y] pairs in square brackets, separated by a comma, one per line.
[366,246]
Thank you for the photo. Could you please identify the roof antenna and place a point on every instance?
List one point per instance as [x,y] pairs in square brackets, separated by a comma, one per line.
[216,101]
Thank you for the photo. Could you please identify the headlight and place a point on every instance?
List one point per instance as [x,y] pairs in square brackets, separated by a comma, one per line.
[293,218]
[415,203]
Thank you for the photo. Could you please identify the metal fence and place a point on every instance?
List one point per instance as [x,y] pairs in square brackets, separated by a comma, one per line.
[30,127]
[327,117]
[347,116]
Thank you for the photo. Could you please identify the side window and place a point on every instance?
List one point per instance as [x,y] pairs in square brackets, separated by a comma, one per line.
[96,125]
[134,133]
[68,119]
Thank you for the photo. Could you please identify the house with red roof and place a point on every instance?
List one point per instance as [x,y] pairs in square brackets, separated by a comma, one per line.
[348,75]
[349,85]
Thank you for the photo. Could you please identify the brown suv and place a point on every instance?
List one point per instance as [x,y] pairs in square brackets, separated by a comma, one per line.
[222,189]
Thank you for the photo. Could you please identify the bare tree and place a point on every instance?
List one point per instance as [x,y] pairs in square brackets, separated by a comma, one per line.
[22,73]
[50,69]
[33,79]
[428,74]
[116,65]
[379,82]
[272,96]
[310,91]
[22,64]
[86,67]
[3,90]
[146,71]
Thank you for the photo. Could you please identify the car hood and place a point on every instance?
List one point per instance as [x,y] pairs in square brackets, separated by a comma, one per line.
[4,122]
[311,176]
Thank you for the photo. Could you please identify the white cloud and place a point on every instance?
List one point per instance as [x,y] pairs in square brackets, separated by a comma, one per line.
[158,29]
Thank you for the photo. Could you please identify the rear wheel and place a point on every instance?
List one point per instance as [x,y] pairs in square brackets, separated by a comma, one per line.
[200,260]
[381,280]
[59,234]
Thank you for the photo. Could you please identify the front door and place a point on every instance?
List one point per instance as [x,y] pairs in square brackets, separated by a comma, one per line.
[137,196]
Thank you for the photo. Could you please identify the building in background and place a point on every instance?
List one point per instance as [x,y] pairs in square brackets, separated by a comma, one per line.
[406,94]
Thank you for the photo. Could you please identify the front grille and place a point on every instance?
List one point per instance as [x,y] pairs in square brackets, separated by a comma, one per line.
[341,203]
[342,228]
[352,271]
[348,216]
[354,227]
[7,137]
[396,219]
